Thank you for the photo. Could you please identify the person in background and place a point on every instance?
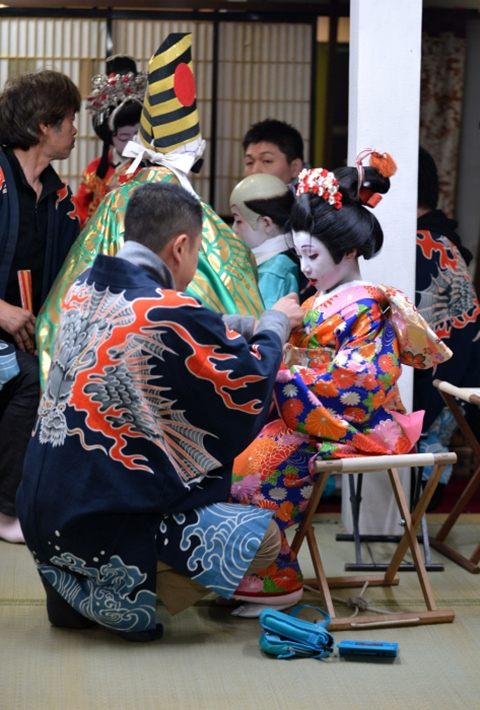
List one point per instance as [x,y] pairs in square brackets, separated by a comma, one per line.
[273,147]
[38,225]
[260,205]
[276,148]
[446,298]
[115,106]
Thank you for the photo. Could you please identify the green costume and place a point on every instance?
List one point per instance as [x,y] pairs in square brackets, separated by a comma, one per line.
[225,279]
[170,144]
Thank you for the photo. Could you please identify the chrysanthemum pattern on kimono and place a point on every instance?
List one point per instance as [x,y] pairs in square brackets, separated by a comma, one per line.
[337,395]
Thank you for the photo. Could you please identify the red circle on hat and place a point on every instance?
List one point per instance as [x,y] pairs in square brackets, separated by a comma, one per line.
[184,84]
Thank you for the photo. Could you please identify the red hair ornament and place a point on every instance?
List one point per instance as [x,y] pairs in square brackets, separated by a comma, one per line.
[383,163]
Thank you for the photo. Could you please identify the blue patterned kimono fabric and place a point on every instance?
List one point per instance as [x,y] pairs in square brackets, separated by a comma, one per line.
[149,398]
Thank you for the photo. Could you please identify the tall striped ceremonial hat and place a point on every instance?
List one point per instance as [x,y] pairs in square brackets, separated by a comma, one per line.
[170,118]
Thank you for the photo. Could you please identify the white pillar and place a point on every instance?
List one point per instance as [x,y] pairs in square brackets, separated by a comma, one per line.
[384,110]
[468,183]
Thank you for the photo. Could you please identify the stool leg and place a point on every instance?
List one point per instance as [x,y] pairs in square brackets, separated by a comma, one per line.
[309,512]
[355,499]
[409,538]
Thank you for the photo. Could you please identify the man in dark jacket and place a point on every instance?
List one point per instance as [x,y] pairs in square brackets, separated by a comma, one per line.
[446,298]
[149,398]
[38,224]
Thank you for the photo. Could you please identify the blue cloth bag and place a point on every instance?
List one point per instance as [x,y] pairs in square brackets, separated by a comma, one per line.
[285,636]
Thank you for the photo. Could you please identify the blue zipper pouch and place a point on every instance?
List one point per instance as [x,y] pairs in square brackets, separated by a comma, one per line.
[285,636]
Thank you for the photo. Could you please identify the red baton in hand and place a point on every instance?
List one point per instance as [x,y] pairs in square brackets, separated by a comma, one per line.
[25,285]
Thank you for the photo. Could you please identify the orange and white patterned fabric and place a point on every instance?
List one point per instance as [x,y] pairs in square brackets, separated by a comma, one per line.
[337,396]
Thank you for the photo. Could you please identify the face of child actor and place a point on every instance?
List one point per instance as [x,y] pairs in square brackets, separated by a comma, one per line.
[252,237]
[123,136]
[317,264]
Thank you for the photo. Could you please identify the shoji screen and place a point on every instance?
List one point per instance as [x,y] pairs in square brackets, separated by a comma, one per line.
[264,72]
[71,45]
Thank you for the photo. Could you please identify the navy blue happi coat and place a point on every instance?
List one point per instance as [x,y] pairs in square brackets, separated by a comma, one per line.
[149,398]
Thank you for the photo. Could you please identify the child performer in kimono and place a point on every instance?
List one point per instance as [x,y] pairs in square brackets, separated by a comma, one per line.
[337,392]
[260,206]
[115,106]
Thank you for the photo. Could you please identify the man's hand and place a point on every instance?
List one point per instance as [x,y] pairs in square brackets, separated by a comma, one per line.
[20,324]
[289,305]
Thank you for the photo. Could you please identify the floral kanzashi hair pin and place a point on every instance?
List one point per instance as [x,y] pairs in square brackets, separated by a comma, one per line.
[111,90]
[321,183]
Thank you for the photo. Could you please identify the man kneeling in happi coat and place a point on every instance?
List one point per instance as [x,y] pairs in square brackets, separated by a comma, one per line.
[149,398]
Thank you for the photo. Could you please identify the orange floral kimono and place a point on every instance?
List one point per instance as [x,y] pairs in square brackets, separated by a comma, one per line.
[337,396]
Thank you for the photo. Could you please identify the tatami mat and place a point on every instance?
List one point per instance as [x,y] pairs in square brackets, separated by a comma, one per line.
[209,660]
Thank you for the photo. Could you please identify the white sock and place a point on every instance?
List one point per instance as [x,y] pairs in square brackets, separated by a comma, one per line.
[252,611]
[10,529]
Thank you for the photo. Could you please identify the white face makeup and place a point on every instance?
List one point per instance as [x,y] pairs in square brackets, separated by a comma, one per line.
[123,136]
[317,264]
[252,237]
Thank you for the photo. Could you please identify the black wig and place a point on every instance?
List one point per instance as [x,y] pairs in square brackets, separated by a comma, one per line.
[353,226]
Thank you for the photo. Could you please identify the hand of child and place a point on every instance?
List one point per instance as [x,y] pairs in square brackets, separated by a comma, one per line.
[290,305]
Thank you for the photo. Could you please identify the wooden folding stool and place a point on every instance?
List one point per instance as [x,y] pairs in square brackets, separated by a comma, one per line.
[471,395]
[323,584]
